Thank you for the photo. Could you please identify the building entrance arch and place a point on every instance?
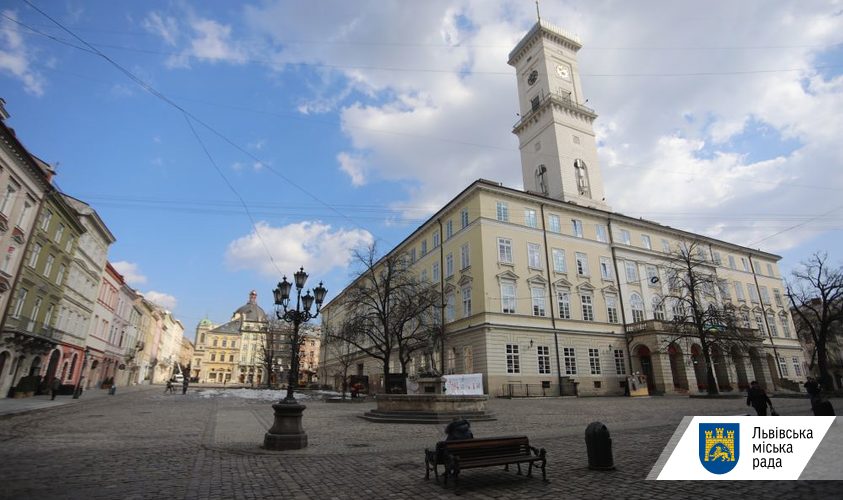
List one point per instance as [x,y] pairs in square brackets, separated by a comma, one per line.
[774,370]
[646,361]
[740,368]
[53,365]
[700,370]
[721,370]
[35,366]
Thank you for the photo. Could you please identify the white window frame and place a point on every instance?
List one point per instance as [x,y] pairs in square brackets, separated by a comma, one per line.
[558,255]
[509,302]
[513,359]
[606,268]
[594,361]
[543,360]
[449,265]
[626,239]
[576,228]
[466,301]
[502,211]
[612,309]
[530,218]
[602,233]
[464,218]
[554,223]
[563,301]
[465,256]
[646,242]
[620,362]
[534,259]
[587,306]
[505,250]
[569,356]
[631,268]
[539,300]
[582,264]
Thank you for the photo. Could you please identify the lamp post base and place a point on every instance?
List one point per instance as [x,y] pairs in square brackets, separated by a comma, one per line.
[287,432]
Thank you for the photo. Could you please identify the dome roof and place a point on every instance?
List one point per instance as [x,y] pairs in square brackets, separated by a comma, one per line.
[205,323]
[251,311]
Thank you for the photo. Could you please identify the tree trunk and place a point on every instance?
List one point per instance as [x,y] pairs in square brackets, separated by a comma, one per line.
[822,364]
[709,369]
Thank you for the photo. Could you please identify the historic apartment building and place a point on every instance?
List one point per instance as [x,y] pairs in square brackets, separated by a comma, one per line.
[547,287]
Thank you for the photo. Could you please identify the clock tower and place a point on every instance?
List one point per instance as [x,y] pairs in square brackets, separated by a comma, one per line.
[555,132]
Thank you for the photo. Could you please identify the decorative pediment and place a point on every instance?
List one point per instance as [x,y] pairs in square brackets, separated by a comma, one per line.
[610,289]
[449,288]
[465,279]
[537,280]
[585,287]
[562,283]
[508,275]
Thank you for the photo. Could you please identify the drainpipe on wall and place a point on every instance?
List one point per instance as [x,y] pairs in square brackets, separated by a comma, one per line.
[550,302]
[620,293]
[766,322]
[442,294]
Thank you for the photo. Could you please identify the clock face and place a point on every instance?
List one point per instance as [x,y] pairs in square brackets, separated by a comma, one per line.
[562,71]
[534,75]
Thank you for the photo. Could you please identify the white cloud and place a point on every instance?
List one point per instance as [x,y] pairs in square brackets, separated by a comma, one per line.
[164,26]
[312,244]
[708,145]
[130,271]
[161,299]
[354,167]
[15,56]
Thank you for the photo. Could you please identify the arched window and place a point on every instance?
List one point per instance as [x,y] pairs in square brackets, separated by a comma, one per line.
[637,305]
[541,179]
[658,308]
[581,171]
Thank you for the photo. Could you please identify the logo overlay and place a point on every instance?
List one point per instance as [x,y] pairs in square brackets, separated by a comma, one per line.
[719,447]
[759,448]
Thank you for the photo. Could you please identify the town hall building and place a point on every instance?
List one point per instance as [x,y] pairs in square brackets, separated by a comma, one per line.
[549,291]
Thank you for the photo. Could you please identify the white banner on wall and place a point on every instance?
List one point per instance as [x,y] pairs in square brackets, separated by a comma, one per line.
[467,384]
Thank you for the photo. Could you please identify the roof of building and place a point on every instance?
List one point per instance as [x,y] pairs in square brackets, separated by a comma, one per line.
[230,328]
[250,311]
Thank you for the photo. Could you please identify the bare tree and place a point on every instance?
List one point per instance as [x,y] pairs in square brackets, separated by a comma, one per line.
[815,291]
[342,351]
[698,312]
[273,348]
[387,309]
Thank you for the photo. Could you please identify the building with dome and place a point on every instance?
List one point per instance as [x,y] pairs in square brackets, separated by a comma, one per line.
[230,352]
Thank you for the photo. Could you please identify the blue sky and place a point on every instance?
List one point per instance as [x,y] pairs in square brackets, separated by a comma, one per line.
[339,123]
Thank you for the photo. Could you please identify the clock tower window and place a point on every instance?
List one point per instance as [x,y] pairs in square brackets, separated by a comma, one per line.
[582,178]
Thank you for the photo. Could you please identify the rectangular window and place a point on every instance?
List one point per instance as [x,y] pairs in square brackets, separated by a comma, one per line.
[530,217]
[412,255]
[24,214]
[423,276]
[652,276]
[424,247]
[759,323]
[753,293]
[783,366]
[620,364]
[625,238]
[559,260]
[606,268]
[631,272]
[770,271]
[513,359]
[777,296]
[765,295]
[436,239]
[508,298]
[213,356]
[60,275]
[797,367]
[582,264]
[450,307]
[8,200]
[502,211]
[19,304]
[665,246]
[466,301]
[465,256]
[587,307]
[537,295]
[570,357]
[48,267]
[564,301]
[449,265]
[739,291]
[534,255]
[771,320]
[33,256]
[449,229]
[554,224]
[745,264]
[59,233]
[732,264]
[436,271]
[505,250]
[646,242]
[577,227]
[543,359]
[717,259]
[224,343]
[612,308]
[464,218]
[45,220]
[601,233]
[785,326]
[594,361]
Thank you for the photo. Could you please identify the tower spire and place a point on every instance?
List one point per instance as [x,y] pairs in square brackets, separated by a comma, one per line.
[538,14]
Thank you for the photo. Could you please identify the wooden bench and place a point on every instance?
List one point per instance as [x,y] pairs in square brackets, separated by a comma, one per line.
[462,454]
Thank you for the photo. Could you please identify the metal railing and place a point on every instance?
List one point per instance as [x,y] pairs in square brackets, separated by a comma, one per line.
[562,99]
[518,390]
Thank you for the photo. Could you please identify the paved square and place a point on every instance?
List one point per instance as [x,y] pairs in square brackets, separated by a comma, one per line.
[144,444]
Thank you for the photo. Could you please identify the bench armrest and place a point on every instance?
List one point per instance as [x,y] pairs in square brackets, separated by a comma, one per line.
[539,452]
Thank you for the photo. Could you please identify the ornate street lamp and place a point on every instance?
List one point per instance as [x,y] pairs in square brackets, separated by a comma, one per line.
[287,432]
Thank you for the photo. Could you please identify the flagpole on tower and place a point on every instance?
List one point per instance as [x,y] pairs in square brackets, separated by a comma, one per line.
[538,14]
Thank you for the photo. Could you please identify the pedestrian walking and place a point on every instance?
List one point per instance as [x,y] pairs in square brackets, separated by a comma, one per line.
[55,387]
[756,397]
[169,388]
[821,407]
[184,385]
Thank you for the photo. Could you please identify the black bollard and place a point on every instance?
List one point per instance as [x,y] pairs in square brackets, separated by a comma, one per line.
[599,446]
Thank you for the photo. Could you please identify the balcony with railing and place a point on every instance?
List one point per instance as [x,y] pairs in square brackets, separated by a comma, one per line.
[562,99]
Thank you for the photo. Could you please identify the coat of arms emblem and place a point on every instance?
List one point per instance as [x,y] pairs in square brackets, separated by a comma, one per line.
[719,447]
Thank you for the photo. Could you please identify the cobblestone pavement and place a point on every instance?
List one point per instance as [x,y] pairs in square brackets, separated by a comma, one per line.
[140,445]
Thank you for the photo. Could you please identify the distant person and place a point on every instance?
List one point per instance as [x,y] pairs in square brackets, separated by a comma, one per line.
[821,407]
[458,429]
[55,387]
[169,387]
[756,397]
[184,385]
